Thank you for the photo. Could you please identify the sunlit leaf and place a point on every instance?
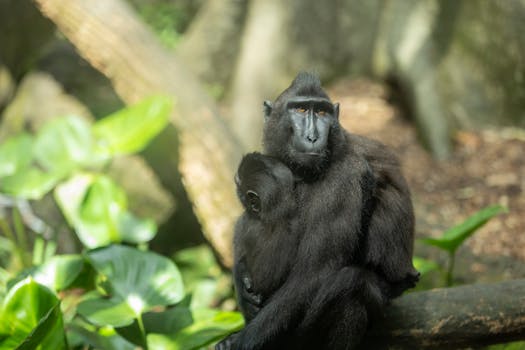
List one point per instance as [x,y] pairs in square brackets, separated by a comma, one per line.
[15,153]
[97,209]
[138,282]
[454,236]
[31,318]
[64,144]
[209,326]
[30,183]
[131,129]
[114,312]
[135,230]
[70,196]
[424,266]
[57,273]
[101,207]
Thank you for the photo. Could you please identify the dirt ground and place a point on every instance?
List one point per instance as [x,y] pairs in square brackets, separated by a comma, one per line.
[487,167]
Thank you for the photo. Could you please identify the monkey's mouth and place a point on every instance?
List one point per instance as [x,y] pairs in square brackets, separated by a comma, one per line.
[312,153]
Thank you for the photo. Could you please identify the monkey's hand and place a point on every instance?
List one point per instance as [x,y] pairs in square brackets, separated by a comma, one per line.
[249,294]
[408,282]
[228,343]
[249,301]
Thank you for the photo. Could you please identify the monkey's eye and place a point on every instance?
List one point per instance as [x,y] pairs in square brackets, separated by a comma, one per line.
[300,110]
[321,112]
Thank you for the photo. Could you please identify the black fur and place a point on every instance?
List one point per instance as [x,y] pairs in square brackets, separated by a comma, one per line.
[331,237]
[260,235]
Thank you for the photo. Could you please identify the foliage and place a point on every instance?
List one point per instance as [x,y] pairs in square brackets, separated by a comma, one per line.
[165,19]
[116,294]
[519,345]
[453,238]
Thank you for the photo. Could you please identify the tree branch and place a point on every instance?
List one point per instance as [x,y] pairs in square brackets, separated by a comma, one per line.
[450,318]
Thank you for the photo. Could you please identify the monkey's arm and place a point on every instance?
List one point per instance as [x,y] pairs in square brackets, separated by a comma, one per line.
[249,301]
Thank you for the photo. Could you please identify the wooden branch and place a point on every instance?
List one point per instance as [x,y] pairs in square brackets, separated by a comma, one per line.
[109,35]
[452,318]
[213,39]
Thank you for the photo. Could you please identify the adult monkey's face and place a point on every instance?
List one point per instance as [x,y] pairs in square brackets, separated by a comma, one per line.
[311,119]
[301,125]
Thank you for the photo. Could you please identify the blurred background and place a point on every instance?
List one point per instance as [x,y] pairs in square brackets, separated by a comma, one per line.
[441,82]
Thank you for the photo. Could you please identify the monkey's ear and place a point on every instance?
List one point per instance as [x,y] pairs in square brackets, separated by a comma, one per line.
[336,111]
[267,105]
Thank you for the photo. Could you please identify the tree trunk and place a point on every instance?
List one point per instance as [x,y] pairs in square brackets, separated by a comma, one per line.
[109,35]
[211,44]
[451,318]
[261,70]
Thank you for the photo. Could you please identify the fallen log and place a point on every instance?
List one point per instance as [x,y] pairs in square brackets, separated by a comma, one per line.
[451,318]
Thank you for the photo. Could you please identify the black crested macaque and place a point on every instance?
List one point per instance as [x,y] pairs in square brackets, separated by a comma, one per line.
[326,239]
[265,188]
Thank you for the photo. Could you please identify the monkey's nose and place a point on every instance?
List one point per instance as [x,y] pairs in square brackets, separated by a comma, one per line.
[311,138]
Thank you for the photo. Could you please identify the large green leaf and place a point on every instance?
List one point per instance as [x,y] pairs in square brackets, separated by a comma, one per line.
[30,183]
[61,146]
[97,209]
[115,312]
[31,318]
[168,321]
[453,237]
[57,273]
[135,230]
[135,282]
[64,144]
[208,327]
[70,196]
[129,130]
[15,153]
[105,338]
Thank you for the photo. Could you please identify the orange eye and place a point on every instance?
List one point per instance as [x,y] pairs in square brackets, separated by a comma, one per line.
[300,110]
[321,112]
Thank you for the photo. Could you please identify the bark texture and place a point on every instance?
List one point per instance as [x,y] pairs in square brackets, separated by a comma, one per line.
[451,318]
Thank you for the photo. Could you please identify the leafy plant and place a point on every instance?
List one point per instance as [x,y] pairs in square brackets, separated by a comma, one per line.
[453,238]
[112,296]
[31,318]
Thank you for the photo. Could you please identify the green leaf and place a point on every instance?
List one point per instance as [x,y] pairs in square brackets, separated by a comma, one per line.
[104,338]
[135,230]
[57,273]
[136,281]
[424,266]
[29,183]
[15,153]
[64,144]
[31,318]
[97,209]
[129,130]
[70,196]
[134,334]
[209,326]
[454,237]
[168,321]
[101,312]
[101,206]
